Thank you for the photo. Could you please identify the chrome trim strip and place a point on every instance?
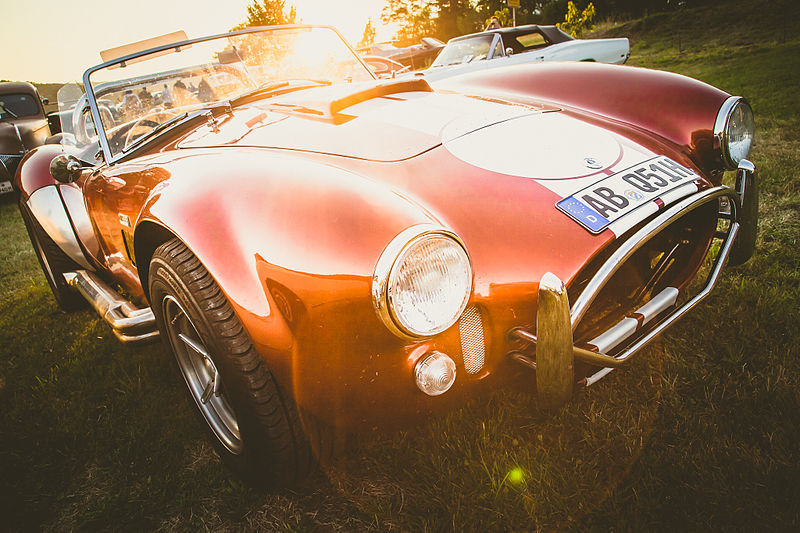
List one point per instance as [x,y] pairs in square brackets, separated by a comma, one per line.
[597,376]
[522,359]
[130,324]
[628,326]
[658,303]
[615,335]
[151,336]
[747,166]
[48,209]
[73,201]
[630,245]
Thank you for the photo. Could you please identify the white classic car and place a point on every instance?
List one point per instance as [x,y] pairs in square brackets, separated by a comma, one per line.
[521,44]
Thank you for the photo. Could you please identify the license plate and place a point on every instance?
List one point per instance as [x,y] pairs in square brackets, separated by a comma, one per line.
[5,187]
[615,196]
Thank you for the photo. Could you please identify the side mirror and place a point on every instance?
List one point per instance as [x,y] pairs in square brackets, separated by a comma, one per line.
[65,168]
[45,100]
[509,51]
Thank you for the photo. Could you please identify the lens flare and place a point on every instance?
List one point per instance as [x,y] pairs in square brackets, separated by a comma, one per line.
[516,476]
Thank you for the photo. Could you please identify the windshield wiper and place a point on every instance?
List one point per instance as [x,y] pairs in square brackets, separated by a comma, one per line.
[270,88]
[155,131]
[3,109]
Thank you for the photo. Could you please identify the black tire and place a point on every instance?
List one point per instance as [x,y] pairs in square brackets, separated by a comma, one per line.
[254,427]
[54,263]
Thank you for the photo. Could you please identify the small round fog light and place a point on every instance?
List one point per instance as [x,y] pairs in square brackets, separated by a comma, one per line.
[435,374]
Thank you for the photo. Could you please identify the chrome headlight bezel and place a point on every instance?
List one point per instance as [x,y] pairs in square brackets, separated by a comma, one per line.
[386,266]
[723,125]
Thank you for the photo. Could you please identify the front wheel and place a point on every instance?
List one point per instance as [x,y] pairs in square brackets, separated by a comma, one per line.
[254,427]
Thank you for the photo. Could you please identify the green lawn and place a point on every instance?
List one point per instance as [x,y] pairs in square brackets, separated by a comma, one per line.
[702,432]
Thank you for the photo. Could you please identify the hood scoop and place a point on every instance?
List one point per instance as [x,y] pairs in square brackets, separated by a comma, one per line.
[377,121]
[328,103]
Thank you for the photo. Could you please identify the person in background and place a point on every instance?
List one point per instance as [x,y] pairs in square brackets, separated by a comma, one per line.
[494,24]
[204,91]
[145,98]
[166,97]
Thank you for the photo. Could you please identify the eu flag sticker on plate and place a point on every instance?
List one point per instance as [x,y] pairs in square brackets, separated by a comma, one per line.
[584,214]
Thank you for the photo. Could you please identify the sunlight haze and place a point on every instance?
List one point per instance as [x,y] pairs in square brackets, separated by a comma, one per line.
[55,41]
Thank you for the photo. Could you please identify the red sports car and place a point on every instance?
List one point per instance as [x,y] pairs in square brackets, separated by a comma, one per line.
[323,252]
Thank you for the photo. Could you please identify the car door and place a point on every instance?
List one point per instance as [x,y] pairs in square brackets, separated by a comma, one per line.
[114,197]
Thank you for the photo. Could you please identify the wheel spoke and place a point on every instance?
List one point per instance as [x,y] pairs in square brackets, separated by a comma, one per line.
[209,390]
[177,316]
[194,345]
[217,383]
[201,375]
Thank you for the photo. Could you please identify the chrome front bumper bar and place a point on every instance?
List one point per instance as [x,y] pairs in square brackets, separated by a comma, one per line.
[556,321]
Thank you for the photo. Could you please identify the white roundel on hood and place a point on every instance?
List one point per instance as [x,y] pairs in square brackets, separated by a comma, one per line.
[546,146]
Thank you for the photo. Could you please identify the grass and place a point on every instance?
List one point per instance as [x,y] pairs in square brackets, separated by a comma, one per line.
[702,432]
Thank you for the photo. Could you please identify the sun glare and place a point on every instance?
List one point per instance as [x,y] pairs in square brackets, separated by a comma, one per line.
[350,17]
[79,49]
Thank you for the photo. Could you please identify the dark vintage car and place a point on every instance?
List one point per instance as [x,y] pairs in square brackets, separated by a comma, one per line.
[323,252]
[22,126]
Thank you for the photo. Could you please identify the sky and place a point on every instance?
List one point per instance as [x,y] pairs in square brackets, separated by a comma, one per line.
[56,40]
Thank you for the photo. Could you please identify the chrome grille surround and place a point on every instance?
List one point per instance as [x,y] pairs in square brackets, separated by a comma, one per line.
[579,307]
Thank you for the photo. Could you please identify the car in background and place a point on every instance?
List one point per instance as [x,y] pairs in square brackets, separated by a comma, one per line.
[518,45]
[323,252]
[415,57]
[23,126]
[383,67]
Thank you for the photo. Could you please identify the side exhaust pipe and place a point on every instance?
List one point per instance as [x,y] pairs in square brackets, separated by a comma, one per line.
[129,323]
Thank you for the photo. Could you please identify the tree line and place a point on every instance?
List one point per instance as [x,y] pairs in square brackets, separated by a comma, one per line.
[445,19]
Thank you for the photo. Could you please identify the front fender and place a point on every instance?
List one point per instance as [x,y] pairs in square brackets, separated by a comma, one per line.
[679,109]
[288,241]
[34,170]
[57,207]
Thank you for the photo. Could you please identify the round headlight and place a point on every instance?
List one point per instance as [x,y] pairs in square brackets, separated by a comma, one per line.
[422,282]
[734,127]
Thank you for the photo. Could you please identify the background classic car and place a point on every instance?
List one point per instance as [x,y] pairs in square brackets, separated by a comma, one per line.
[415,57]
[518,45]
[383,67]
[22,126]
[357,271]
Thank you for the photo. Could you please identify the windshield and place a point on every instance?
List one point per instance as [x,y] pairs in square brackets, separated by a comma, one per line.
[18,106]
[464,51]
[134,97]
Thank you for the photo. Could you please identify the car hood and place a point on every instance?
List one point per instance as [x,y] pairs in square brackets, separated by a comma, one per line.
[386,128]
[556,149]
[32,130]
[9,139]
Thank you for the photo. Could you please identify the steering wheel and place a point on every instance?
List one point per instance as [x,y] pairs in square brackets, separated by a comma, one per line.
[145,124]
[83,124]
